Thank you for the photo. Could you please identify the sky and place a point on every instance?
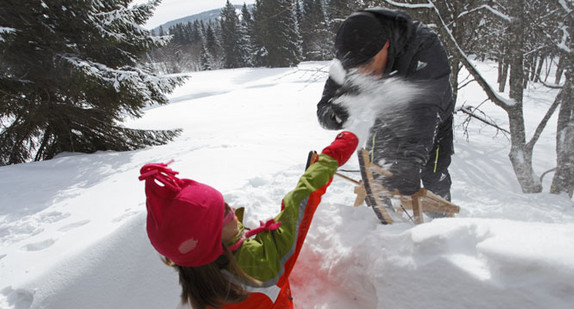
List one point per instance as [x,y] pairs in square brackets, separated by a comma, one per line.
[169,10]
[72,229]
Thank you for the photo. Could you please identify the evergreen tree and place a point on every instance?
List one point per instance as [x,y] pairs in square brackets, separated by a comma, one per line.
[246,16]
[69,75]
[259,33]
[245,31]
[298,13]
[341,9]
[205,59]
[317,39]
[276,33]
[230,37]
[196,34]
[212,47]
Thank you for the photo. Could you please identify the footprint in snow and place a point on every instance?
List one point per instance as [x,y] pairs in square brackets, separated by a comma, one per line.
[258,182]
[53,216]
[19,298]
[128,213]
[74,225]
[37,246]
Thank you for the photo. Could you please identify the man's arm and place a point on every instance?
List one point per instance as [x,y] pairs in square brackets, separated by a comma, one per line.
[331,116]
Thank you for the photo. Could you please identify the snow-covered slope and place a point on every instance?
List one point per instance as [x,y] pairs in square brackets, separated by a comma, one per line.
[72,229]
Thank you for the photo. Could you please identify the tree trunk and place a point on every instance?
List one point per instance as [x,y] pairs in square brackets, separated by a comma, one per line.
[503,69]
[539,68]
[520,154]
[499,79]
[456,66]
[563,181]
[559,70]
[503,78]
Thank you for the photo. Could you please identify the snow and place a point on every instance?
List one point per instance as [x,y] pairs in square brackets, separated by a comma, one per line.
[365,107]
[5,30]
[72,229]
[410,5]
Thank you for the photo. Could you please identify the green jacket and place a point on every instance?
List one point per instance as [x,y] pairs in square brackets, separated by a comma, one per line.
[270,255]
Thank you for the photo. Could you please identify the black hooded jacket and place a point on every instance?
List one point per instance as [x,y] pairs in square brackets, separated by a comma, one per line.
[416,54]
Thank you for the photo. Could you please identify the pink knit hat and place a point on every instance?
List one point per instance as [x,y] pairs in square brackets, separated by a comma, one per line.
[184,218]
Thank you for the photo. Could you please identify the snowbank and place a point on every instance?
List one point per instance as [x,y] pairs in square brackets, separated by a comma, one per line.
[72,229]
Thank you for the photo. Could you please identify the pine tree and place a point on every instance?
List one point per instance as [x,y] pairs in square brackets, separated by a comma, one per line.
[196,34]
[259,34]
[205,59]
[69,75]
[276,33]
[338,10]
[212,47]
[317,39]
[230,37]
[298,13]
[245,34]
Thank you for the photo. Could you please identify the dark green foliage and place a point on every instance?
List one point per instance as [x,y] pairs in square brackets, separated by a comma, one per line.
[276,33]
[316,37]
[212,43]
[69,75]
[245,32]
[230,37]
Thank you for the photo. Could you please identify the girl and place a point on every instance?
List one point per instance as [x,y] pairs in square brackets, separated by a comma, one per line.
[219,266]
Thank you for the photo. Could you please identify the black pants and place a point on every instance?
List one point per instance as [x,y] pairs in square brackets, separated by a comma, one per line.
[435,176]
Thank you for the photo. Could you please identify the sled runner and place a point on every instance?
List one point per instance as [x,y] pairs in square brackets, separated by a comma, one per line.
[393,207]
[390,207]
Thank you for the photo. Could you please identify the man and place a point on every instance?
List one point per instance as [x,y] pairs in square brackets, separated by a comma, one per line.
[417,144]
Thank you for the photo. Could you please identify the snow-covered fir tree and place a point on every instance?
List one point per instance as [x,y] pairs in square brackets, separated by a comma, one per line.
[338,10]
[245,30]
[276,32]
[205,59]
[212,46]
[317,40]
[69,75]
[230,37]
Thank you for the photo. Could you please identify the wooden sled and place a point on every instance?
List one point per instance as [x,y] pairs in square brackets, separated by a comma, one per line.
[393,207]
[390,207]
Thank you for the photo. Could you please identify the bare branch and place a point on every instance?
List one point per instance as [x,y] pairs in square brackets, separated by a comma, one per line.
[457,52]
[495,12]
[410,5]
[471,112]
[544,121]
[544,174]
[551,86]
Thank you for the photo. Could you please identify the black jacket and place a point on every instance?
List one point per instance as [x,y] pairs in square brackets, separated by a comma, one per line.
[416,54]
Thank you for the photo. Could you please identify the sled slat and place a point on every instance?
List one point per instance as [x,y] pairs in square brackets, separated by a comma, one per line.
[420,202]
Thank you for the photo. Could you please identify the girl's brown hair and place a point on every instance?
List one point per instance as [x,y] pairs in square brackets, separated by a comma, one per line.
[207,286]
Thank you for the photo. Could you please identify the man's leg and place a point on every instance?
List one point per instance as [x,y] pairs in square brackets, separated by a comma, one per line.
[435,175]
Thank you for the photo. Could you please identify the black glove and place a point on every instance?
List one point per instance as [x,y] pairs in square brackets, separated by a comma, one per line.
[339,114]
[406,177]
[331,116]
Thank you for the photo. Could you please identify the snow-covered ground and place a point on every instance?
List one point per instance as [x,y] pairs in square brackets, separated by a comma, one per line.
[72,229]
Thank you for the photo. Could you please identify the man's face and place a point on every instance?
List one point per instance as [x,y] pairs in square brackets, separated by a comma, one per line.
[376,66]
